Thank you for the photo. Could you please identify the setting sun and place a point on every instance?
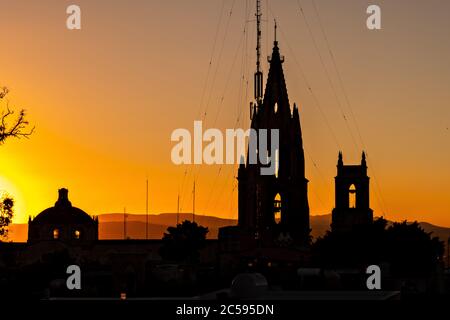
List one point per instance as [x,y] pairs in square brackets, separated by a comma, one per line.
[9,189]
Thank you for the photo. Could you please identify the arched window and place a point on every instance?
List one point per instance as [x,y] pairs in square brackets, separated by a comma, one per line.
[77,234]
[55,234]
[352,196]
[275,107]
[277,208]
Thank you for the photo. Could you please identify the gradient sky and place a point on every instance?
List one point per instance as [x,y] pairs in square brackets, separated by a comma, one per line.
[105,100]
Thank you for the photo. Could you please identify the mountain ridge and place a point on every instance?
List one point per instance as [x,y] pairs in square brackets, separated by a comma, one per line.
[111,226]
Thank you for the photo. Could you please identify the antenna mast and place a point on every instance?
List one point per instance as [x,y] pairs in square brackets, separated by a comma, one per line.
[146,210]
[125,223]
[258,73]
[178,208]
[275,30]
[193,203]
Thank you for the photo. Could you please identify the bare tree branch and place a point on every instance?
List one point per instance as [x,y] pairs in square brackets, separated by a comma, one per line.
[3,92]
[19,125]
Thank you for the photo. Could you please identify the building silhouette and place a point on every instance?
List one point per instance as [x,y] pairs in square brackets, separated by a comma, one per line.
[63,222]
[272,236]
[275,207]
[352,205]
[63,235]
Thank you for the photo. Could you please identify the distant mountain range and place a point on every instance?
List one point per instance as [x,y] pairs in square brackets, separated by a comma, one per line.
[111,226]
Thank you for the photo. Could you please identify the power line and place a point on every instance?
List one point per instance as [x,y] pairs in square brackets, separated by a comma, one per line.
[239,115]
[211,58]
[241,77]
[218,64]
[205,86]
[378,193]
[381,201]
[327,74]
[309,87]
[220,108]
[197,171]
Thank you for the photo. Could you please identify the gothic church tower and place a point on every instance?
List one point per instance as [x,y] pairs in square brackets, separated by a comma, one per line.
[274,208]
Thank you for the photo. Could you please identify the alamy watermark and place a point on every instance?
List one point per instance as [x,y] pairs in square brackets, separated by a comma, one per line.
[373,22]
[74,279]
[73,20]
[228,149]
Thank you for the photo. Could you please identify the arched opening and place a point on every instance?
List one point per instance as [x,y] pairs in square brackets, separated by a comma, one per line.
[275,107]
[352,196]
[55,234]
[77,234]
[277,208]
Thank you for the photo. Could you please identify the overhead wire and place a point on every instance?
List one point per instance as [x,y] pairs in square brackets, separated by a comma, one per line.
[188,168]
[381,200]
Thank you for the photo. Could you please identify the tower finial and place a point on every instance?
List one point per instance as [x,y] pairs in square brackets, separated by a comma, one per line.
[63,198]
[258,74]
[275,32]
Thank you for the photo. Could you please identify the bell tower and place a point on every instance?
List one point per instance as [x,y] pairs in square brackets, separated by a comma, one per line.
[273,207]
[351,196]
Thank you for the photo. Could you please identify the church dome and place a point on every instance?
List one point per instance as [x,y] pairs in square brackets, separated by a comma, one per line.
[63,212]
[63,222]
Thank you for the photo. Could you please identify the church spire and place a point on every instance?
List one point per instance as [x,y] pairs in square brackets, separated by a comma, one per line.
[363,159]
[273,112]
[340,161]
[276,90]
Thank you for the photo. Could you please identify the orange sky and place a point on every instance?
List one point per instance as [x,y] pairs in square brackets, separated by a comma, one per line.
[105,100]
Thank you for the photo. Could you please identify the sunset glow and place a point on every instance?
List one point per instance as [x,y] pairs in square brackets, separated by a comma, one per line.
[105,100]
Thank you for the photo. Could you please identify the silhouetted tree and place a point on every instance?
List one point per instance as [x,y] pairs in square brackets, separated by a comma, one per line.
[183,242]
[407,248]
[358,247]
[6,214]
[411,250]
[16,128]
